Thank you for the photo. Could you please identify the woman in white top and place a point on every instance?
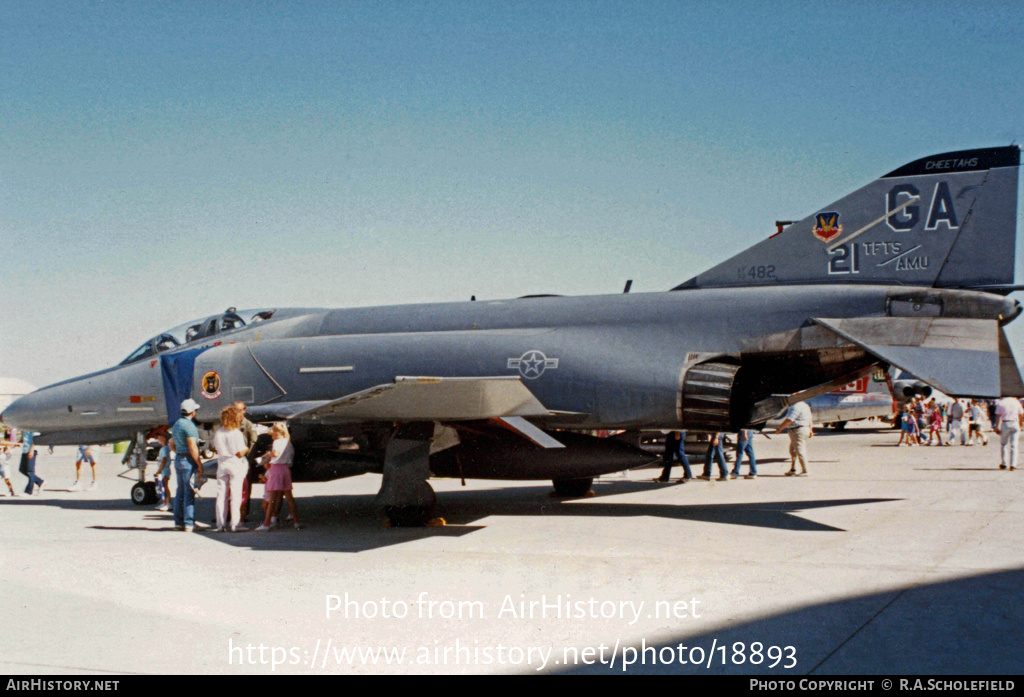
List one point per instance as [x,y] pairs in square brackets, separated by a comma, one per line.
[278,463]
[232,467]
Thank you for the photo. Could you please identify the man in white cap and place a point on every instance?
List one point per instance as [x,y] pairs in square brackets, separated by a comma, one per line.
[186,463]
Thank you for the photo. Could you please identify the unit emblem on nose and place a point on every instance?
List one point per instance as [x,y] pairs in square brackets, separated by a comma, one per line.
[532,364]
[211,385]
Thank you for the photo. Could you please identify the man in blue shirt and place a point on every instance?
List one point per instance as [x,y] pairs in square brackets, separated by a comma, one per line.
[28,463]
[186,463]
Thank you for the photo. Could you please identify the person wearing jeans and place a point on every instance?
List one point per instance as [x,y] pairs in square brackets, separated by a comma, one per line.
[28,463]
[715,452]
[744,444]
[186,463]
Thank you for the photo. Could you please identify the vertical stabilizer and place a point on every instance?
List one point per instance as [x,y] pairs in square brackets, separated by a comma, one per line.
[946,221]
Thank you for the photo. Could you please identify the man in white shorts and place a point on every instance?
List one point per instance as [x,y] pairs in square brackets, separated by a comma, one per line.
[799,421]
[1009,419]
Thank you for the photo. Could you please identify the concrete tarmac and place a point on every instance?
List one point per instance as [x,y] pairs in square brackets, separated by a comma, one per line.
[882,561]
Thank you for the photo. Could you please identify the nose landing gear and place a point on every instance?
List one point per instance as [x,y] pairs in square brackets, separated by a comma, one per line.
[143,492]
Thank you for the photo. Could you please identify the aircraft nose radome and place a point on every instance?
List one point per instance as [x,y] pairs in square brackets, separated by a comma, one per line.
[14,414]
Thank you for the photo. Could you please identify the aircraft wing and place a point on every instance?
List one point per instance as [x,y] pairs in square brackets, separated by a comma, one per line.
[961,357]
[418,399]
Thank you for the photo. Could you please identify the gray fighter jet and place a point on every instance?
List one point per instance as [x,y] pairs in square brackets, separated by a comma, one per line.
[912,270]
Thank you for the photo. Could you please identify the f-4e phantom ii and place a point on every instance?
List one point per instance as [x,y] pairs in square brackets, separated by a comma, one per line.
[912,270]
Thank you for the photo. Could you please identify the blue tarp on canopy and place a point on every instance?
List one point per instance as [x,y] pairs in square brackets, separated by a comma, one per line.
[176,369]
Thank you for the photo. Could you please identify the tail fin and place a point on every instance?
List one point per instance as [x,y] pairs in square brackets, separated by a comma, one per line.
[947,221]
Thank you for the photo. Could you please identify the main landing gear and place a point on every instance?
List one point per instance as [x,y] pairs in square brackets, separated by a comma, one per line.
[405,496]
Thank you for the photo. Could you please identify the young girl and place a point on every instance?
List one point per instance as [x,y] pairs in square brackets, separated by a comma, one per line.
[934,423]
[278,463]
[977,414]
[164,465]
[908,427]
[5,459]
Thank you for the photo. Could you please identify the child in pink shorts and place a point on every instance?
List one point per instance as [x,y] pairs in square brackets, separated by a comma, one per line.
[278,463]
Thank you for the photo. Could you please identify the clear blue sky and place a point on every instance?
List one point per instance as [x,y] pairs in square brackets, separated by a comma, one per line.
[162,161]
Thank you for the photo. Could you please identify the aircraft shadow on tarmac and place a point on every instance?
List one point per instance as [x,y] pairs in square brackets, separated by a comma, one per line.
[967,626]
[352,523]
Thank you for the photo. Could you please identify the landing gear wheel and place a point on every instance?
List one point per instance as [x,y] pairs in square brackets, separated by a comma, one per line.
[139,494]
[573,488]
[839,425]
[144,493]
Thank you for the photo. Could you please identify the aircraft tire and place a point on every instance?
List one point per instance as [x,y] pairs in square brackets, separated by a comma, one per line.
[140,496]
[573,488]
[839,425]
[151,496]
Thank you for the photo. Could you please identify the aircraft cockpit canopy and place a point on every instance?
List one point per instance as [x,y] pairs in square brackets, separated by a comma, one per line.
[228,321]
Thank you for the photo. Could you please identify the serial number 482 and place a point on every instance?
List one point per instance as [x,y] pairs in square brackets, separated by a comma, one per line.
[755,273]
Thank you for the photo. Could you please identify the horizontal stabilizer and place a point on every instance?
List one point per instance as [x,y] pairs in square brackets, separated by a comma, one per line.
[957,356]
[430,399]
